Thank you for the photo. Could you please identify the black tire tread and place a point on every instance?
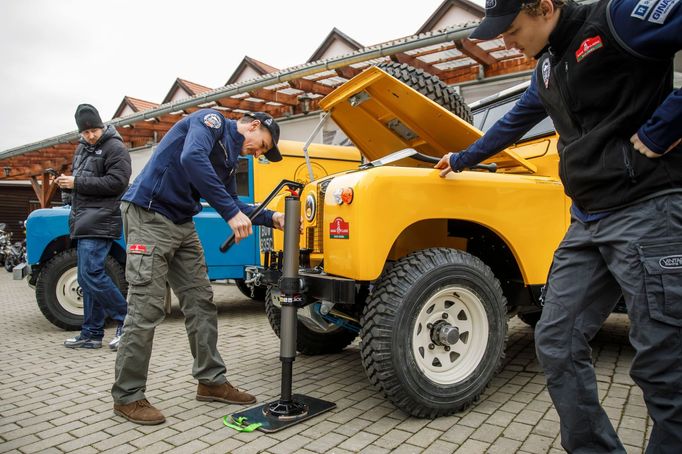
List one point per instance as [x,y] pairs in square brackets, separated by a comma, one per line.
[431,87]
[378,322]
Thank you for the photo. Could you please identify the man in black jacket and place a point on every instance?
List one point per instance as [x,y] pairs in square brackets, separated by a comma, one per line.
[604,76]
[101,171]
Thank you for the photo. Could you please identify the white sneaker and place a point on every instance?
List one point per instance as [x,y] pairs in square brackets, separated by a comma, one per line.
[113,345]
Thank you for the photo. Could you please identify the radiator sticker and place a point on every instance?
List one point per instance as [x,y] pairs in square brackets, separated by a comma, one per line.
[339,229]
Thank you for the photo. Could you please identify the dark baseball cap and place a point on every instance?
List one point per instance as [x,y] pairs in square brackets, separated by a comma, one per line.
[499,14]
[271,125]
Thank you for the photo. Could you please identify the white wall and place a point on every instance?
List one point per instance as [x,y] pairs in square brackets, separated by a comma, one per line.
[455,16]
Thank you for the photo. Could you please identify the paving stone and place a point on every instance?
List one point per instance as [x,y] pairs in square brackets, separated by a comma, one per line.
[374,449]
[393,439]
[289,445]
[458,434]
[487,433]
[43,445]
[326,443]
[504,446]
[517,431]
[473,447]
[358,441]
[537,443]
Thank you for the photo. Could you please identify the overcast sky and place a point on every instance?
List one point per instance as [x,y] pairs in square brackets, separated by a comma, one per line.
[55,55]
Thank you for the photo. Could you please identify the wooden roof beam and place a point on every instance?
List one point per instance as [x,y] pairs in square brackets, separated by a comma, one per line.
[133,132]
[147,126]
[275,96]
[310,86]
[470,49]
[348,72]
[434,51]
[416,63]
[243,104]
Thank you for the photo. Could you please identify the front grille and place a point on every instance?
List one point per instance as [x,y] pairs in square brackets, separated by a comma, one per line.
[314,238]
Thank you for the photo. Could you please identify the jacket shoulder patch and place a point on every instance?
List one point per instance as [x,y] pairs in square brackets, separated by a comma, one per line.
[213,121]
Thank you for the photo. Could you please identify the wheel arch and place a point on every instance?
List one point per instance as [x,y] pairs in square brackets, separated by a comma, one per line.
[64,242]
[56,246]
[474,238]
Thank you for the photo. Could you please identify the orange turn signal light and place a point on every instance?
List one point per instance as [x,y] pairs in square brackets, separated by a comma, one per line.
[347,195]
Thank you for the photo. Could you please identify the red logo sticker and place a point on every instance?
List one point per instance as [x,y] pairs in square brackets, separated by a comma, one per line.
[587,47]
[339,229]
[137,249]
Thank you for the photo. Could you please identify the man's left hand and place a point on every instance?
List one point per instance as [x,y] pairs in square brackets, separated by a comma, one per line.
[646,151]
[278,221]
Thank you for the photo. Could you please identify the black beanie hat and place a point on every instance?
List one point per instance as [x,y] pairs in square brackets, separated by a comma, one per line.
[87,117]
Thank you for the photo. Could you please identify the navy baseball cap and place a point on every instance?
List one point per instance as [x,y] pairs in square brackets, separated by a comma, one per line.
[271,125]
[499,14]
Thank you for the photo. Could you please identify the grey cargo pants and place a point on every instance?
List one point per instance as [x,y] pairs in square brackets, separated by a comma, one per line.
[158,250]
[636,251]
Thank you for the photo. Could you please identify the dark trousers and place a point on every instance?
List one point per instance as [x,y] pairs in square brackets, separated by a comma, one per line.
[101,297]
[636,251]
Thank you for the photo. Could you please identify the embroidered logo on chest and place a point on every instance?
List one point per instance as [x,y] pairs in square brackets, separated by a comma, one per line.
[546,71]
[587,47]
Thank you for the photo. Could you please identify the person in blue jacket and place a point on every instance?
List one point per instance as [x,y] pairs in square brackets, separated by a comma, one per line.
[605,77]
[197,158]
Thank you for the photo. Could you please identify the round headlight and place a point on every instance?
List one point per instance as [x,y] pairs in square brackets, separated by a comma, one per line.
[310,207]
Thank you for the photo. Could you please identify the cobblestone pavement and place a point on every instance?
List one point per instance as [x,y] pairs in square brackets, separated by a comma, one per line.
[55,400]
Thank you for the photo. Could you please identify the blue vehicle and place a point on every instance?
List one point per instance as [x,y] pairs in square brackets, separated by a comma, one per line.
[51,253]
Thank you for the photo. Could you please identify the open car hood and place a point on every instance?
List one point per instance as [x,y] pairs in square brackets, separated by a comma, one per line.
[382,115]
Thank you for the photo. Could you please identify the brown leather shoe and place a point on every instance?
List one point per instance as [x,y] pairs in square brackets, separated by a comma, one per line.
[223,393]
[140,412]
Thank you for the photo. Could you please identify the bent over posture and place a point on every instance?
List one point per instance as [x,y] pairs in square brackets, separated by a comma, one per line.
[197,158]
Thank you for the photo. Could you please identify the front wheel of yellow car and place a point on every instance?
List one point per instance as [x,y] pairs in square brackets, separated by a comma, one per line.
[434,332]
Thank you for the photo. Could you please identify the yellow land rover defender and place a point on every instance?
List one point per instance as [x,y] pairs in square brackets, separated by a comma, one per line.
[426,270]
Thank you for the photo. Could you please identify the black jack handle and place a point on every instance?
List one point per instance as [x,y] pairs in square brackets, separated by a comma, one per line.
[292,185]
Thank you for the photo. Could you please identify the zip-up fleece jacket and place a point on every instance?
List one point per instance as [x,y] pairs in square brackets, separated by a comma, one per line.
[101,174]
[606,75]
[196,158]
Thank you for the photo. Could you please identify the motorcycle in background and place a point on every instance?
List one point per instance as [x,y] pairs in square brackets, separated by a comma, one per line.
[11,254]
[5,238]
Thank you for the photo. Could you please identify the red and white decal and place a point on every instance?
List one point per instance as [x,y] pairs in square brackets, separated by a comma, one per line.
[137,249]
[339,229]
[587,47]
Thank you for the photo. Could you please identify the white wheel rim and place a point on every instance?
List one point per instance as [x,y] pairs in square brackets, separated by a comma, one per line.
[69,293]
[464,310]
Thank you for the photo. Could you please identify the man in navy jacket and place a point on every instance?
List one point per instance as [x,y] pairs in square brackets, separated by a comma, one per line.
[604,76]
[196,159]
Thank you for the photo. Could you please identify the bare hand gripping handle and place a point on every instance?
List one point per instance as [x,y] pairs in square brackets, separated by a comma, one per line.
[292,185]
